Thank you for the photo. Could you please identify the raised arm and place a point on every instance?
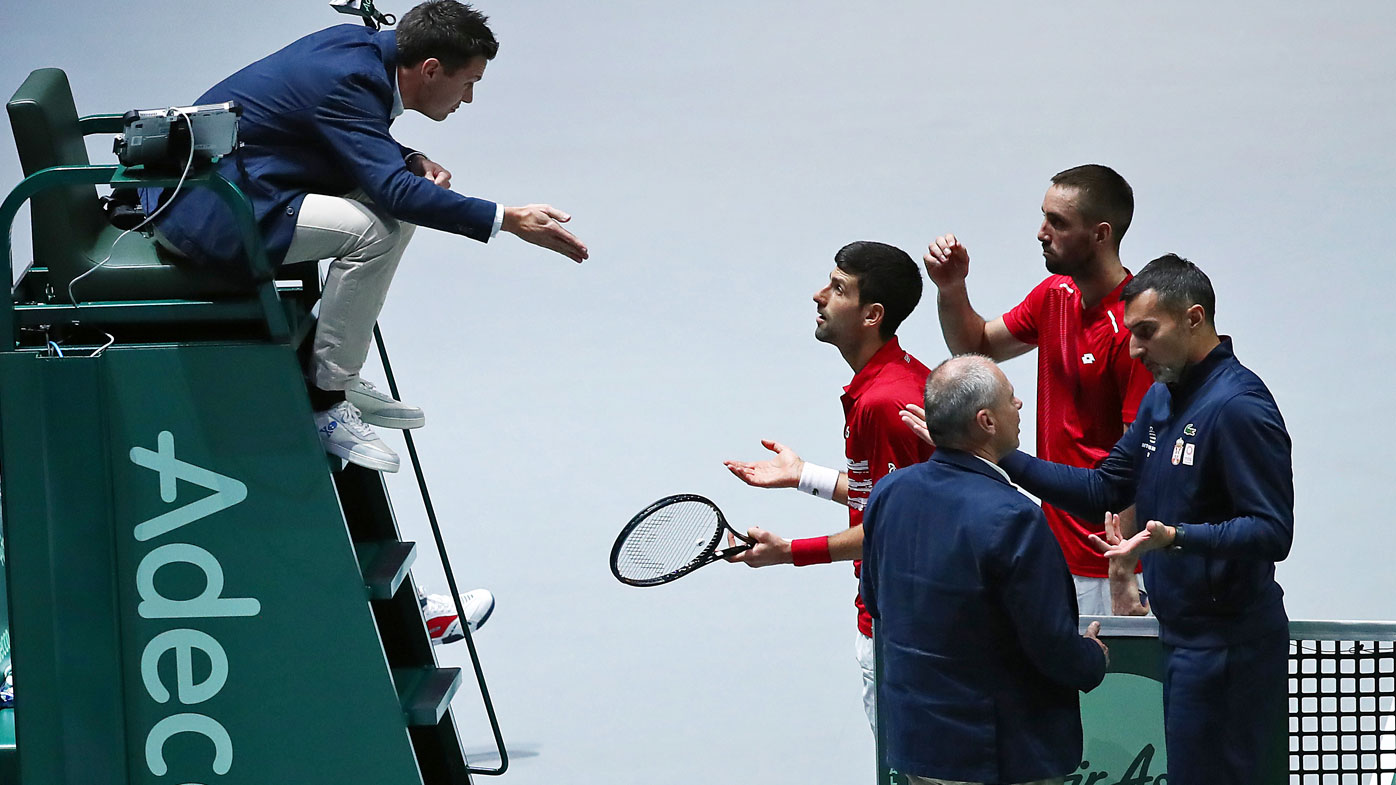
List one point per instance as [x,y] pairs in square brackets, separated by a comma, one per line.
[947,264]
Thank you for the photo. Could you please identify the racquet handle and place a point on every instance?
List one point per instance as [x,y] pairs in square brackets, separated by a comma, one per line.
[733,551]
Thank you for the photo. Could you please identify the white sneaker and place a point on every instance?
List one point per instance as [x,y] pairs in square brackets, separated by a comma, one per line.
[443,624]
[343,434]
[379,408]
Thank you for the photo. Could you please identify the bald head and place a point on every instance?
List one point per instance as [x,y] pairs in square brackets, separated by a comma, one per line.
[970,406]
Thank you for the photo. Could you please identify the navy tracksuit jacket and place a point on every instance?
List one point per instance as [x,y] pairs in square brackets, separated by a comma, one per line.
[1209,454]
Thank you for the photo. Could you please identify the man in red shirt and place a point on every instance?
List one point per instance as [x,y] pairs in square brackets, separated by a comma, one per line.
[1088,387]
[871,290]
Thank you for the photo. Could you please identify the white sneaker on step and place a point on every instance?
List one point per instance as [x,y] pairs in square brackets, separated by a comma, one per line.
[379,408]
[443,623]
[344,435]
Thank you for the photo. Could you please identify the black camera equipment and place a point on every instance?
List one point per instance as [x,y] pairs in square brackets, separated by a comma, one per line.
[177,137]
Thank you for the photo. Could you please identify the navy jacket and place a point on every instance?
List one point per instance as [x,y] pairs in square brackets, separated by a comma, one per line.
[976,613]
[315,120]
[1211,455]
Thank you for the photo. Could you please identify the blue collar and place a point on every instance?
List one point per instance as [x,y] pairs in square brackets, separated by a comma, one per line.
[1195,376]
[386,41]
[968,462]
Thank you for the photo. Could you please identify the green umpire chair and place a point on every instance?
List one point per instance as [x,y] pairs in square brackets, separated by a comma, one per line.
[192,590]
[73,239]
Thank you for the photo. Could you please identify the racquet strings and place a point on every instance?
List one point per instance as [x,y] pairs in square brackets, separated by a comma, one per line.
[668,539]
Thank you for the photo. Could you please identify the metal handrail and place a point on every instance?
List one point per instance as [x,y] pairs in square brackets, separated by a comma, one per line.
[101,124]
[1342,631]
[1299,630]
[450,576]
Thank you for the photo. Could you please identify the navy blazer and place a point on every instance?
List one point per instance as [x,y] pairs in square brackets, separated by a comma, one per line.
[976,614]
[315,120]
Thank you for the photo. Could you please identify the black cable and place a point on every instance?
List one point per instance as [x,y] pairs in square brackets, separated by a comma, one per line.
[446,563]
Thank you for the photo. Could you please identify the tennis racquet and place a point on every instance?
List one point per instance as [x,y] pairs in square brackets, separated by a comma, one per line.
[671,538]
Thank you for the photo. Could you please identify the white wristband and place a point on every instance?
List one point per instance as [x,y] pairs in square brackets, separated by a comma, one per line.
[818,480]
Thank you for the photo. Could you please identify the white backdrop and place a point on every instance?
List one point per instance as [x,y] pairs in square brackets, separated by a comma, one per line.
[715,156]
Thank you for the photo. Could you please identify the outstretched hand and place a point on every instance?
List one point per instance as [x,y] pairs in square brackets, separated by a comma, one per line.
[947,261]
[541,225]
[782,471]
[915,418]
[769,549]
[1153,536]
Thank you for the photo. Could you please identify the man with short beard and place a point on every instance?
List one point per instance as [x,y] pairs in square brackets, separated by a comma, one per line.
[1088,387]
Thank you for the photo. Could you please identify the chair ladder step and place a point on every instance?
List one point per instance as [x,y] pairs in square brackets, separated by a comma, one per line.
[426,692]
[384,564]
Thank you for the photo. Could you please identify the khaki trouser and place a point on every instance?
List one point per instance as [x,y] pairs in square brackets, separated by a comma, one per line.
[364,246]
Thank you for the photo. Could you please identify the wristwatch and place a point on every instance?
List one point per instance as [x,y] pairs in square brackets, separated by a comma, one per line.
[1177,539]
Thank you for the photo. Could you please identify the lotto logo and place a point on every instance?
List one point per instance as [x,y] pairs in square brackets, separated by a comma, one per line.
[329,427]
[1087,358]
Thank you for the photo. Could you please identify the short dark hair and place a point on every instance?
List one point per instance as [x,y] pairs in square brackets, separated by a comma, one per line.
[886,275]
[1103,196]
[450,31]
[1180,285]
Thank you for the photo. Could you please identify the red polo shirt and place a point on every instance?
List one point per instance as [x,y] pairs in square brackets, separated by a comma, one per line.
[876,441]
[1088,390]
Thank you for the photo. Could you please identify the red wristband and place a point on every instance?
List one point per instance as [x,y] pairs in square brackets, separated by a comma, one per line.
[811,550]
